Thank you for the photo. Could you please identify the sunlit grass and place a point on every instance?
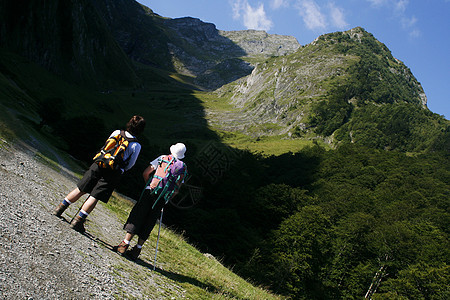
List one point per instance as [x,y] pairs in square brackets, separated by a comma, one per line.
[212,101]
[200,276]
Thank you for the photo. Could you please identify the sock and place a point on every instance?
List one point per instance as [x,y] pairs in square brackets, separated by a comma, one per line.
[138,246]
[66,202]
[83,214]
[126,242]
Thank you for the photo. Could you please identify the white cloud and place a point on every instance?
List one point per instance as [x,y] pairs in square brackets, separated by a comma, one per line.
[398,9]
[378,2]
[255,18]
[311,14]
[415,33]
[252,17]
[401,5]
[408,22]
[275,4]
[337,16]
[398,5]
[236,5]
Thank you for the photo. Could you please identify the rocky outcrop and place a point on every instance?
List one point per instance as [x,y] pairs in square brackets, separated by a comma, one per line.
[258,42]
[216,57]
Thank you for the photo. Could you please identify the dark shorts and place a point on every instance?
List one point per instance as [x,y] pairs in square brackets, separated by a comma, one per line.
[99,182]
[142,217]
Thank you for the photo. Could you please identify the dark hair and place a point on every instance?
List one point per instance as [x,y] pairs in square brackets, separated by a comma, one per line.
[136,125]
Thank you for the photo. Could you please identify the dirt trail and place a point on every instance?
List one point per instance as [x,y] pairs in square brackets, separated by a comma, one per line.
[42,258]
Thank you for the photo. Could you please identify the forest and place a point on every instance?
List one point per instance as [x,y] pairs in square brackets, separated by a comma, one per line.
[332,224]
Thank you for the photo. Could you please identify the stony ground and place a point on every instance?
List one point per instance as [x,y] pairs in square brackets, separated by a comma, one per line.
[41,257]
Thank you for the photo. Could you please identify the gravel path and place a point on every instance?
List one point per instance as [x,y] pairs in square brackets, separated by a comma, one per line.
[42,258]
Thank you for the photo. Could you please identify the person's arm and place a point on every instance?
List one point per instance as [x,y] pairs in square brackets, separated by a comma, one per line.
[147,172]
[136,148]
[152,167]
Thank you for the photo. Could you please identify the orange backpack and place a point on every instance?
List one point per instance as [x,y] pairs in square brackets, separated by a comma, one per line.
[111,154]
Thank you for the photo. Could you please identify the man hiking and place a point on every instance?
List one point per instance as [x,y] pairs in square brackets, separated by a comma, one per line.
[117,156]
[170,173]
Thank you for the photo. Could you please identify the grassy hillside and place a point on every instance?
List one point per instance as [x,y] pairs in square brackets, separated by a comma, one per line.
[219,110]
[331,90]
[202,276]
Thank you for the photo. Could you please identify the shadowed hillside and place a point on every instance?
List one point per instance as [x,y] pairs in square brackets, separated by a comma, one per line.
[317,171]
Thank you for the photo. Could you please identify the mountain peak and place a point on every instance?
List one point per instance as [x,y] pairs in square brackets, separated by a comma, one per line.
[259,42]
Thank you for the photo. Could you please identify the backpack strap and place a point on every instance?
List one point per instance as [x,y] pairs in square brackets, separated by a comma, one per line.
[170,160]
[130,140]
[124,135]
[167,195]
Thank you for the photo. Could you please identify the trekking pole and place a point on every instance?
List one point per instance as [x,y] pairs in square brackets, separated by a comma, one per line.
[79,210]
[157,240]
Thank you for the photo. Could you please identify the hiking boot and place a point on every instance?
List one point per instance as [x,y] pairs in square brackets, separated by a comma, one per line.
[78,224]
[121,248]
[59,210]
[133,253]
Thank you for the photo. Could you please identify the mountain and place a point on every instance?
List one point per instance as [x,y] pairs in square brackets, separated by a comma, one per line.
[328,89]
[60,37]
[187,45]
[282,90]
[69,39]
[216,57]
[314,168]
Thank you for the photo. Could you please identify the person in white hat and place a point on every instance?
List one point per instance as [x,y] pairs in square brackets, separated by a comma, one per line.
[157,193]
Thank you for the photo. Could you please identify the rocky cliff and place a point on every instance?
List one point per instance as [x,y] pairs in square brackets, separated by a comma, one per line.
[68,38]
[258,42]
[216,57]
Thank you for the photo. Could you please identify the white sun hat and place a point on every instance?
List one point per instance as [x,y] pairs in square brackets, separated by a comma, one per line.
[178,150]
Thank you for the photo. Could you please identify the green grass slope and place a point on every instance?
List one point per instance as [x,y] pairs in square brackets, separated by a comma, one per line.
[201,275]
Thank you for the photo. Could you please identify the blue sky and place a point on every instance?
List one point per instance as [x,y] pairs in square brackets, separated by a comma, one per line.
[416,31]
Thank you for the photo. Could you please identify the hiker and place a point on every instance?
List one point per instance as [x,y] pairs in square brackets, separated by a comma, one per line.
[170,173]
[104,175]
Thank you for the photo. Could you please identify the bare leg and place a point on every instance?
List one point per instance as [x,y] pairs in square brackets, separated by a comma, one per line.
[129,236]
[74,195]
[89,205]
[86,208]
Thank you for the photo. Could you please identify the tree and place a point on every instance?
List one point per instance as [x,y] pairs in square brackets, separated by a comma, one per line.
[418,281]
[300,249]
